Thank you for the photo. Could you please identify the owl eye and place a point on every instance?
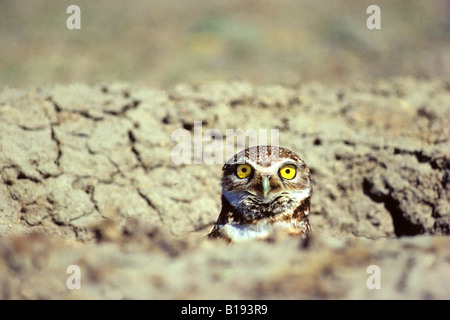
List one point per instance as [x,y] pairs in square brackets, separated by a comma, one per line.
[288,171]
[243,171]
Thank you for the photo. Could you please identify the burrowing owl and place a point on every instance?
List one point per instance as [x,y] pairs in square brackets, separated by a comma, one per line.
[264,187]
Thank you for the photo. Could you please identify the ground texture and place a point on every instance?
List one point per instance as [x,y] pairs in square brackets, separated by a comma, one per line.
[87,178]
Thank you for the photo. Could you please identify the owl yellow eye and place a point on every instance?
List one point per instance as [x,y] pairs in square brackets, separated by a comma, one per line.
[288,171]
[243,171]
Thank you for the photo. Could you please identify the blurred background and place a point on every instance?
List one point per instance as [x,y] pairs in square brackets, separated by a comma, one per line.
[160,43]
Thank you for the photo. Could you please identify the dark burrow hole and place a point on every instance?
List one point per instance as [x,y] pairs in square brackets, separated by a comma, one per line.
[402,226]
[188,126]
[167,119]
[317,142]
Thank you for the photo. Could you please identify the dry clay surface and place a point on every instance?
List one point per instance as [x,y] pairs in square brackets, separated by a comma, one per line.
[87,179]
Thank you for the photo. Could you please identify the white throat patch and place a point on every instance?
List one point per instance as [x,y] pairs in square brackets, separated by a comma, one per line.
[243,232]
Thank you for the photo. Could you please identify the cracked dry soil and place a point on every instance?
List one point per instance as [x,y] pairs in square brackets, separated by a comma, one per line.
[87,179]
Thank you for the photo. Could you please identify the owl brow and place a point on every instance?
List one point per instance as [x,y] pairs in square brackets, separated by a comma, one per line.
[288,161]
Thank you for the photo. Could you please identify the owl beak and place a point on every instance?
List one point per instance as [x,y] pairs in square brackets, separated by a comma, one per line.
[265,185]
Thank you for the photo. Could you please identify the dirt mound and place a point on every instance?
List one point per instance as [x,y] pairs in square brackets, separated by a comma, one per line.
[93,165]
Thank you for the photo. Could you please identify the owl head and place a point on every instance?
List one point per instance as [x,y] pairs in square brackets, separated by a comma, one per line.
[264,181]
